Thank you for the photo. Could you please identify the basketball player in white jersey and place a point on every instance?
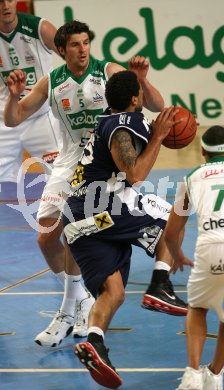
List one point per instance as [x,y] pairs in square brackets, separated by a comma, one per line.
[26,43]
[203,190]
[76,91]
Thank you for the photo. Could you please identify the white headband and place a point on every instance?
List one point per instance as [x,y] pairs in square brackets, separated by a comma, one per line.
[212,148]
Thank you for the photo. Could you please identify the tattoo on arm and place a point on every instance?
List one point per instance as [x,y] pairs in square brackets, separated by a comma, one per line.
[124,144]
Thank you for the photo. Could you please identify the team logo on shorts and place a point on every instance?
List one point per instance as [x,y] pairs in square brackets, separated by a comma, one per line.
[151,231]
[50,157]
[103,220]
[150,237]
[217,269]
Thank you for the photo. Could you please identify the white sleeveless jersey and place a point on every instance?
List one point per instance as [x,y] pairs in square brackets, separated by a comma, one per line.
[24,49]
[77,103]
[205,188]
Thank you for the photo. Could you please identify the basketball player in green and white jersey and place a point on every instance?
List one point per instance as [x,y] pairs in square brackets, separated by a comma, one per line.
[26,43]
[76,91]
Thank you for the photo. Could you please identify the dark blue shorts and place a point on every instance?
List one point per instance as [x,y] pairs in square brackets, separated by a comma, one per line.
[101,244]
[98,259]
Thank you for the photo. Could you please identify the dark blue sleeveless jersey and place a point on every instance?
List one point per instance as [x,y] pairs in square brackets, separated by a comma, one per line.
[96,171]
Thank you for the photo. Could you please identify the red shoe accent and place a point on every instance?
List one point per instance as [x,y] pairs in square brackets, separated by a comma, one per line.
[100,371]
[155,304]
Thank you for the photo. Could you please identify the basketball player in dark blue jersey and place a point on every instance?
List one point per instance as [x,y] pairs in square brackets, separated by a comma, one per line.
[109,215]
[98,165]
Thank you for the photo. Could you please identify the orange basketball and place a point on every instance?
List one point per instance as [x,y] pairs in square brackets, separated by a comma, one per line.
[184,132]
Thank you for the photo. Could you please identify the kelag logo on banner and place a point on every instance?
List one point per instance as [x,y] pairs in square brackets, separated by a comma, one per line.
[188,65]
[195,35]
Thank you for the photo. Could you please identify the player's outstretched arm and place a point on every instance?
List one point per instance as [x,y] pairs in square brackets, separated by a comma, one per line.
[153,100]
[16,109]
[137,167]
[172,234]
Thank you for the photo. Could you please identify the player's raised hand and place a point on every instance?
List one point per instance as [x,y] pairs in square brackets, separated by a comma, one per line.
[139,65]
[16,82]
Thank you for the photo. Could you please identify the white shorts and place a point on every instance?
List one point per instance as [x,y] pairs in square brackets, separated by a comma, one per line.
[206,281]
[40,136]
[57,188]
[55,193]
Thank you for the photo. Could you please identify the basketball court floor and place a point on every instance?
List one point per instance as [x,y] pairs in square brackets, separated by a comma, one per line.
[147,348]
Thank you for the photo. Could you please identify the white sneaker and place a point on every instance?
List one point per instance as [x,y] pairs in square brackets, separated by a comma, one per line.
[212,381]
[191,380]
[59,328]
[82,309]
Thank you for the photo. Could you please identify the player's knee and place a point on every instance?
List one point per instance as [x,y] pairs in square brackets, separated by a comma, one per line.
[115,293]
[121,297]
[49,232]
[47,240]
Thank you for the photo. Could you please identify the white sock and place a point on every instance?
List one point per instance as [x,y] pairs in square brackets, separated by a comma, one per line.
[81,292]
[60,277]
[161,265]
[95,329]
[73,291]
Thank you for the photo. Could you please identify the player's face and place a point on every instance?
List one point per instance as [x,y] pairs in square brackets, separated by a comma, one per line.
[8,18]
[77,52]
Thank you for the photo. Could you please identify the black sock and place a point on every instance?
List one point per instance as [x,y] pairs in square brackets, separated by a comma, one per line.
[159,276]
[94,338]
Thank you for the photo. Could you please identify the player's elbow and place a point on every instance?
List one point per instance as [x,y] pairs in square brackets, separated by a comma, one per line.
[136,174]
[135,180]
[10,120]
[9,123]
[157,106]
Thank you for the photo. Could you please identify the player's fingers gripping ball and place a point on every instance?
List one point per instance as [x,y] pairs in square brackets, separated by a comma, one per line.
[183,133]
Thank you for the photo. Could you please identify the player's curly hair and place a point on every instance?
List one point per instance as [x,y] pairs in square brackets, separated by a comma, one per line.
[74,27]
[120,89]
